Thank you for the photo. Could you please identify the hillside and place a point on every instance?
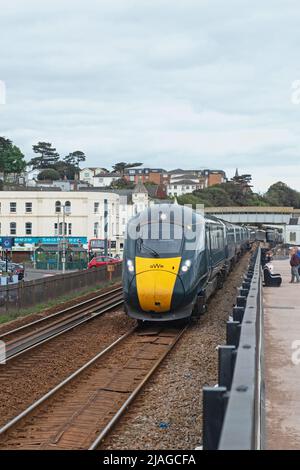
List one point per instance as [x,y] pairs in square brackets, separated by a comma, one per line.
[233,194]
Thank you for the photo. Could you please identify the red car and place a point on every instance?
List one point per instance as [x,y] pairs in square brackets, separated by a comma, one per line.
[102,261]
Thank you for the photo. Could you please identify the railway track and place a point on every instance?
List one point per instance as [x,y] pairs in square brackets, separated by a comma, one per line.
[80,411]
[33,334]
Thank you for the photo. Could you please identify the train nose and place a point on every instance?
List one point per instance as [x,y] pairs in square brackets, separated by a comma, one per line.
[158,285]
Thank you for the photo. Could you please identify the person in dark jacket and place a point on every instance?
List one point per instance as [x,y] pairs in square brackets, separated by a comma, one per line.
[294,262]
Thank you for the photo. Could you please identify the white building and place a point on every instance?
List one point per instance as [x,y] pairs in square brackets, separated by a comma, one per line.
[103,180]
[33,216]
[292,234]
[182,186]
[87,174]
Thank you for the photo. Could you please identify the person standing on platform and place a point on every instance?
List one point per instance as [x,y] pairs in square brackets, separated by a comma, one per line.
[295,262]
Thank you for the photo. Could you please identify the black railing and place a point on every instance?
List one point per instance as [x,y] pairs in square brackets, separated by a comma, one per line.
[232,417]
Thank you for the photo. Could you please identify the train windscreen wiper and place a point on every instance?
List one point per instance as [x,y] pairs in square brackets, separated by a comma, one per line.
[148,248]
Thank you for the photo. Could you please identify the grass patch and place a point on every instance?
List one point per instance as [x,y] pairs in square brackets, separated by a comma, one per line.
[56,302]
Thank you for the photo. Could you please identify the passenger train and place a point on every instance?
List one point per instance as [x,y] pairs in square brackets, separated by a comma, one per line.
[175,258]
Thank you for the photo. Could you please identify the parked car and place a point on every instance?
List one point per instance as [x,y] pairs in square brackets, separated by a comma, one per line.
[13,268]
[98,261]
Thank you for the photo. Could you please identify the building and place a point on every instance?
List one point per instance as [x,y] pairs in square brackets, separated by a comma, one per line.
[145,175]
[87,174]
[212,177]
[34,217]
[104,180]
[181,187]
[63,185]
[183,182]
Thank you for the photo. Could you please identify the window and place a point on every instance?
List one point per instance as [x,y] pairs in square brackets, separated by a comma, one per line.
[28,207]
[13,207]
[58,206]
[86,174]
[61,228]
[68,207]
[96,229]
[292,236]
[13,228]
[28,228]
[96,207]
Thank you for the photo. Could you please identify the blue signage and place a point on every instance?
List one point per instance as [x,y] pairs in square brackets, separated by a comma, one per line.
[41,240]
[7,242]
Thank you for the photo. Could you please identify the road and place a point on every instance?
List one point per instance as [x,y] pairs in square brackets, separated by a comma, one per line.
[32,274]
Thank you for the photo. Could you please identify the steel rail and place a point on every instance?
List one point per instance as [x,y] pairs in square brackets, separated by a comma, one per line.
[133,395]
[38,338]
[62,384]
[59,313]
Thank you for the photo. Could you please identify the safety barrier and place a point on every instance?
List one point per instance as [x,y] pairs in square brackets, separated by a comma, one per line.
[17,297]
[232,411]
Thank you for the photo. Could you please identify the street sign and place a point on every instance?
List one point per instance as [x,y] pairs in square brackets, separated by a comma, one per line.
[110,268]
[8,242]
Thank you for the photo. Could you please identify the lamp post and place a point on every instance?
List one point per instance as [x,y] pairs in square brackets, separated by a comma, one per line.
[64,240]
[58,247]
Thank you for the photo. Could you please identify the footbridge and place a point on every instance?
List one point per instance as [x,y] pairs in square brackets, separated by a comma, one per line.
[256,215]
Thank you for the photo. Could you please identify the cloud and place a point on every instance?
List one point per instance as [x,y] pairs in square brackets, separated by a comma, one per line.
[203,82]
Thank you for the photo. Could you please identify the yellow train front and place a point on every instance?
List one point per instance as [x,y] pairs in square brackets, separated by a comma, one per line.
[164,263]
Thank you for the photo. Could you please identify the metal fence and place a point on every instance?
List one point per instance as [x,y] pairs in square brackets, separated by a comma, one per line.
[22,296]
[233,409]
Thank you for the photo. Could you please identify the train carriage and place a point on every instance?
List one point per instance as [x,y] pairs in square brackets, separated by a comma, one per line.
[174,259]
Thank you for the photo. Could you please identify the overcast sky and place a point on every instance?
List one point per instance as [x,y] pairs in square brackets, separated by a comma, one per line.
[171,83]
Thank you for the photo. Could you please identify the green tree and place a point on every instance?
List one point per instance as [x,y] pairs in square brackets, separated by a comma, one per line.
[47,158]
[122,166]
[280,194]
[66,170]
[48,174]
[75,158]
[11,158]
[122,183]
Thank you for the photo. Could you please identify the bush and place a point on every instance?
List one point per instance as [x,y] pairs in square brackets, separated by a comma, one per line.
[49,174]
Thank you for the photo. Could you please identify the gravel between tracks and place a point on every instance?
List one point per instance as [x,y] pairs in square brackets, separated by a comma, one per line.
[49,364]
[168,412]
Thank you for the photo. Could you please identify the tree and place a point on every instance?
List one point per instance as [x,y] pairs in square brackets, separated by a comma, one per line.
[49,174]
[11,158]
[243,181]
[122,183]
[47,158]
[122,166]
[75,158]
[65,170]
[279,194]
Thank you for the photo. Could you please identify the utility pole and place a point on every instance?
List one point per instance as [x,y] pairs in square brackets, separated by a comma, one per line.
[64,241]
[58,242]
[105,227]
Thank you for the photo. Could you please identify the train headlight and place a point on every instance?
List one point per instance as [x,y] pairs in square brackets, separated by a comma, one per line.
[186,266]
[130,266]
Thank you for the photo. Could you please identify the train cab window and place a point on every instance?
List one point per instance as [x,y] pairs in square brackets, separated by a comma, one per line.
[153,240]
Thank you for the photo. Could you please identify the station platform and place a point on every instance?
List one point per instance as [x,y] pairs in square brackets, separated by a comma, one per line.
[282,361]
